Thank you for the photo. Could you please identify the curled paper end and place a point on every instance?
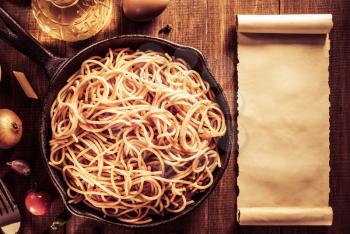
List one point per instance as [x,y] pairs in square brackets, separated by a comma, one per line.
[314,216]
[285,24]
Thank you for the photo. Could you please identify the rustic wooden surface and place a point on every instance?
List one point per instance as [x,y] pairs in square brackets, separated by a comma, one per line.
[209,26]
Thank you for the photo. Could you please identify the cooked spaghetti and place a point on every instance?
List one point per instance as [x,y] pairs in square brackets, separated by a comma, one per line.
[134,134]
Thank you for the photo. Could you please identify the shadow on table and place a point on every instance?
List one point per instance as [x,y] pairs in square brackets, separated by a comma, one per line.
[21,2]
[89,227]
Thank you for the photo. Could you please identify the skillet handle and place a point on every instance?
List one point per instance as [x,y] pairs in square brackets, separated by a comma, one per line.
[19,39]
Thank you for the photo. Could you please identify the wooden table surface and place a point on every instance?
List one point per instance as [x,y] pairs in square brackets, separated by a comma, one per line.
[207,25]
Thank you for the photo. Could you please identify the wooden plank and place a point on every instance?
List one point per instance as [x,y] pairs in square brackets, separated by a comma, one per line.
[263,7]
[83,225]
[195,222]
[303,230]
[305,7]
[257,7]
[110,229]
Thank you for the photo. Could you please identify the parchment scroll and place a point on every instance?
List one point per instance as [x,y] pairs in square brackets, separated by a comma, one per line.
[283,121]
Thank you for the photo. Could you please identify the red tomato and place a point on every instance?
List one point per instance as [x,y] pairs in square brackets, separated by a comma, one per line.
[38,203]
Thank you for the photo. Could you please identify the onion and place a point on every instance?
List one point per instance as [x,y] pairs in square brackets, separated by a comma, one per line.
[38,203]
[10,129]
[143,10]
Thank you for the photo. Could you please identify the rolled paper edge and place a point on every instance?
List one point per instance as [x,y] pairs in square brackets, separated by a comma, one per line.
[280,216]
[285,24]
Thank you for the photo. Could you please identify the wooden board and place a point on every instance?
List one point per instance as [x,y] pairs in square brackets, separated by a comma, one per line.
[207,25]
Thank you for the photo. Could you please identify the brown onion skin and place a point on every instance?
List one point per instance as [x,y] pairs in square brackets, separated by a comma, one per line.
[10,129]
[143,10]
[38,203]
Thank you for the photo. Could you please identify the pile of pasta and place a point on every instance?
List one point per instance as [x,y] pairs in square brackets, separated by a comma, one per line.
[134,134]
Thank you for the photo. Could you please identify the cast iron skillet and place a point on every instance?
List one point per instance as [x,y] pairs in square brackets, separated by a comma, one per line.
[59,69]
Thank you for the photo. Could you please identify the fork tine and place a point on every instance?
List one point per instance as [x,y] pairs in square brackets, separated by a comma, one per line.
[6,197]
[3,206]
[9,211]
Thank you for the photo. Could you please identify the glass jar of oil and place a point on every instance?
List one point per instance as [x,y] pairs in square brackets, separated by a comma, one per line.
[72,20]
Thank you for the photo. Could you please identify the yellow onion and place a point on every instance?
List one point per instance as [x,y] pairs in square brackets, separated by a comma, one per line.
[10,129]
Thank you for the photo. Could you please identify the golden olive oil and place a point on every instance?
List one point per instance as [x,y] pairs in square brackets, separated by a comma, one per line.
[72,20]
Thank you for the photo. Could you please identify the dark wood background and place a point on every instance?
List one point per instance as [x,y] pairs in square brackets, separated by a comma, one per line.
[209,26]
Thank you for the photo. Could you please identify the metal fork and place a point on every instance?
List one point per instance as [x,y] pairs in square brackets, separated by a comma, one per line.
[9,212]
